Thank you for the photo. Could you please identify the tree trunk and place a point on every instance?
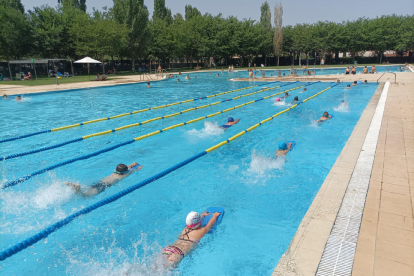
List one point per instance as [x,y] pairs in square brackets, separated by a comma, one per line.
[380,58]
[11,78]
[133,65]
[103,65]
[300,63]
[278,60]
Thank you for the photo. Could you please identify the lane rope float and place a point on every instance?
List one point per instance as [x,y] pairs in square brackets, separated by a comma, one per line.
[125,114]
[54,227]
[15,155]
[28,176]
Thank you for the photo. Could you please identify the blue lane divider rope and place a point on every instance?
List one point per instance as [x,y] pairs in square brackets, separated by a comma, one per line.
[80,124]
[43,234]
[26,177]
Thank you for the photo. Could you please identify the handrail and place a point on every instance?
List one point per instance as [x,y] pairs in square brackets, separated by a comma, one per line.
[395,78]
[43,234]
[28,176]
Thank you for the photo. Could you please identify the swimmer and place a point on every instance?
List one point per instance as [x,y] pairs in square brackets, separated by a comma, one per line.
[195,76]
[353,71]
[188,239]
[373,69]
[304,89]
[180,74]
[210,73]
[296,99]
[18,98]
[324,117]
[251,73]
[365,70]
[286,95]
[365,81]
[148,84]
[348,86]
[338,81]
[277,100]
[231,121]
[283,148]
[218,75]
[347,70]
[355,83]
[187,77]
[178,80]
[4,96]
[387,69]
[121,172]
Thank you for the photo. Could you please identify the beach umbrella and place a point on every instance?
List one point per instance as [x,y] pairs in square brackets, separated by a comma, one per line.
[88,60]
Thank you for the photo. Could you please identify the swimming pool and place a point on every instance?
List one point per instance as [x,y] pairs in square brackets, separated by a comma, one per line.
[265,198]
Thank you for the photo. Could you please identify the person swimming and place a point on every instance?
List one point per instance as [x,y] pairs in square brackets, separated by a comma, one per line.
[355,83]
[122,171]
[296,99]
[218,75]
[304,89]
[230,122]
[324,117]
[148,84]
[286,95]
[338,81]
[178,80]
[283,148]
[18,98]
[189,238]
[187,77]
[277,100]
[348,86]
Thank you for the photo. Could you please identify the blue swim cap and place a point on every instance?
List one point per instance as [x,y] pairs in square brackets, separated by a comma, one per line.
[231,119]
[282,146]
[348,85]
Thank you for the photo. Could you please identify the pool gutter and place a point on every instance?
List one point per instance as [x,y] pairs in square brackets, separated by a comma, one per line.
[307,246]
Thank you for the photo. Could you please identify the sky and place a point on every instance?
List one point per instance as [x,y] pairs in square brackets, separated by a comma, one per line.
[294,11]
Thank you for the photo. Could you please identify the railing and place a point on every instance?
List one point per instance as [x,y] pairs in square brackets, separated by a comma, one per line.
[395,76]
[142,77]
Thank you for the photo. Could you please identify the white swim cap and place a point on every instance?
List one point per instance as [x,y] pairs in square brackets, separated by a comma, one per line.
[193,220]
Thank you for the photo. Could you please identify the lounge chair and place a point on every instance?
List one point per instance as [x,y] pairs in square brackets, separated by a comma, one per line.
[60,74]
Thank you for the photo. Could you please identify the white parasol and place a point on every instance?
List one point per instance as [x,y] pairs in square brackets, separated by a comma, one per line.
[87,60]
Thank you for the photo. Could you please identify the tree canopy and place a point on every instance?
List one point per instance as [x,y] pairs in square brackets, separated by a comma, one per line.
[126,31]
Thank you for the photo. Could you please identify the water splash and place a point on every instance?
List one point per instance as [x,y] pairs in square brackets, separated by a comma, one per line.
[343,106]
[209,129]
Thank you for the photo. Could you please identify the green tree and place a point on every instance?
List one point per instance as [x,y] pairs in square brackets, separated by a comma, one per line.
[191,12]
[161,11]
[12,4]
[134,15]
[265,15]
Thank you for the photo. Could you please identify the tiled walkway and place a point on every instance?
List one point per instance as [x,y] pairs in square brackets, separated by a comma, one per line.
[386,240]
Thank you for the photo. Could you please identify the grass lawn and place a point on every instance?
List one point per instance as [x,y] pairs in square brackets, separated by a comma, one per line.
[47,80]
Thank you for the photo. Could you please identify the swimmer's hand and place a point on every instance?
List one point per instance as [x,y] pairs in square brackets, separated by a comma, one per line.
[205,213]
[216,214]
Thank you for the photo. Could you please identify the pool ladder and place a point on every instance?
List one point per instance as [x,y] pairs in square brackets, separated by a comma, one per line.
[395,79]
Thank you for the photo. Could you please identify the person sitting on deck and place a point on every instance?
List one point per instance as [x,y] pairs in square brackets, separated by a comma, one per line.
[29,77]
[104,77]
[373,70]
[353,71]
[98,78]
[324,117]
[283,148]
[122,171]
[365,70]
[189,238]
[347,70]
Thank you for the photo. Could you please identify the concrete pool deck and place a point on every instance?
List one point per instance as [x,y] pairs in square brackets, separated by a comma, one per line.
[24,89]
[385,244]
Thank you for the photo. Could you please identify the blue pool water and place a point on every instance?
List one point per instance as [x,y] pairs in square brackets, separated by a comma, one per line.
[264,197]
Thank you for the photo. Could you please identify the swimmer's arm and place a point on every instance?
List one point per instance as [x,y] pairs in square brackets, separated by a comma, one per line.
[237,121]
[134,164]
[289,146]
[210,223]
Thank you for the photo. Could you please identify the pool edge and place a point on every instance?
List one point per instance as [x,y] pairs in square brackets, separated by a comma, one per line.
[307,246]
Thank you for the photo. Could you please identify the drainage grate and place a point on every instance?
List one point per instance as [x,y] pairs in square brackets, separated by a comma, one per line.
[338,255]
